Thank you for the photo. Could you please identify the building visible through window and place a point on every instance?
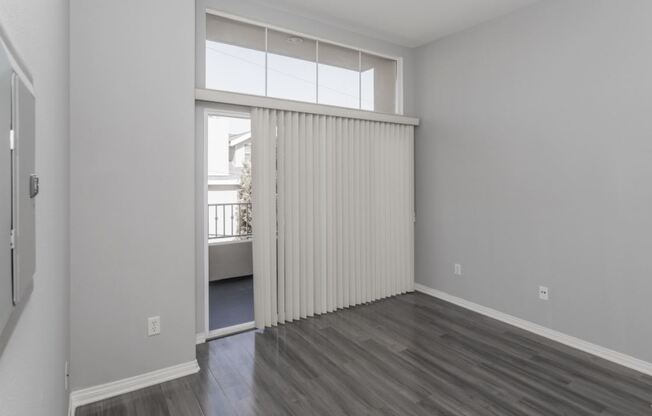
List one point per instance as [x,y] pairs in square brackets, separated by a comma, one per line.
[229,177]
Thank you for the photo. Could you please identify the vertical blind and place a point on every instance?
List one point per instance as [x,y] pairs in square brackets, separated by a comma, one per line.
[332,213]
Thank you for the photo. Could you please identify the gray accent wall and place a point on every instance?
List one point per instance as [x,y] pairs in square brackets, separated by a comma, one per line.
[132,187]
[534,167]
[32,381]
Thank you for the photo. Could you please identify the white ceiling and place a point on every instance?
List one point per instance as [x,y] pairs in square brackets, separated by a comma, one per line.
[405,22]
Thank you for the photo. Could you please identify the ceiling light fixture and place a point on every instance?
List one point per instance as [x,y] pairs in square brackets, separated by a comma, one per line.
[295,40]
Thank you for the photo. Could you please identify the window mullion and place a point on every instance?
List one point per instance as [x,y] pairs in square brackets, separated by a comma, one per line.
[317,71]
[359,79]
[266,61]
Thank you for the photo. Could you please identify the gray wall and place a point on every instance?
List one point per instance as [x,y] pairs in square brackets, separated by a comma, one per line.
[265,13]
[229,260]
[32,365]
[534,167]
[132,187]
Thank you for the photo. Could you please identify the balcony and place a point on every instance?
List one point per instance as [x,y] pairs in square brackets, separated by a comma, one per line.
[229,240]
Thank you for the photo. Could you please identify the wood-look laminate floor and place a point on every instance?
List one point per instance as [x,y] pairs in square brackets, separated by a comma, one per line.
[408,355]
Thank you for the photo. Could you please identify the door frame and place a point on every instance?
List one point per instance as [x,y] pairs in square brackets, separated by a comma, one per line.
[222,111]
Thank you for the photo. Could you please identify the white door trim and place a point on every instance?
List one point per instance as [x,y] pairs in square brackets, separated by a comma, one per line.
[230,330]
[204,199]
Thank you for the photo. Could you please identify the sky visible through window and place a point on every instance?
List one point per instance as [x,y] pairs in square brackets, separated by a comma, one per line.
[233,68]
[239,69]
[291,78]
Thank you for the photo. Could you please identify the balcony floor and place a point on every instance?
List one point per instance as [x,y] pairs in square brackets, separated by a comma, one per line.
[231,302]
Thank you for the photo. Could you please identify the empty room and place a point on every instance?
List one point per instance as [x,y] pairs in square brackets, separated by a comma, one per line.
[298,207]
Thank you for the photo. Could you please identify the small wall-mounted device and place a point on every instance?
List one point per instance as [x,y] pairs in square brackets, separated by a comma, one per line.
[19,186]
[33,185]
[543,293]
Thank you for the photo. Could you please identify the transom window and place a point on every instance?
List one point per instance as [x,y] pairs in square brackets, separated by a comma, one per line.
[252,59]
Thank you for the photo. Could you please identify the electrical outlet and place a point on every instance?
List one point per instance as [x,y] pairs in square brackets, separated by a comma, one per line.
[457,269]
[543,293]
[153,326]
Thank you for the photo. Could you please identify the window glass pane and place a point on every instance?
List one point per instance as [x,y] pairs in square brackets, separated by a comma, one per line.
[378,84]
[291,67]
[295,67]
[339,76]
[235,56]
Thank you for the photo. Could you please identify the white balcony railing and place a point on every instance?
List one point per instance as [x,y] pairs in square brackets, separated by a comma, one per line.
[231,220]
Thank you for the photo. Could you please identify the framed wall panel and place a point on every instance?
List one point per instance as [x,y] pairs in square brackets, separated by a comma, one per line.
[24,215]
[6,285]
[18,188]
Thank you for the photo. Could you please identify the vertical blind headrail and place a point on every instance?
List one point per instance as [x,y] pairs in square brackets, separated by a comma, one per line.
[269,103]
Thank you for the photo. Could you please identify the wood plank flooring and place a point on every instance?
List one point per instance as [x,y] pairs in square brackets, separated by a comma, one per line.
[407,355]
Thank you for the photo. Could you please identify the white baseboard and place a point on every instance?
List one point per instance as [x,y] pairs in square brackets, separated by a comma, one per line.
[201,338]
[115,388]
[602,352]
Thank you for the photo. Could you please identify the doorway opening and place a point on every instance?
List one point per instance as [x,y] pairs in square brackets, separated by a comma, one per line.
[230,306]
